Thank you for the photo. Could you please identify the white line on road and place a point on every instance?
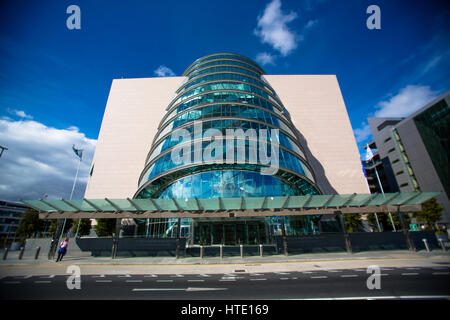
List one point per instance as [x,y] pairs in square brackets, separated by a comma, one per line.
[11,282]
[196,280]
[410,274]
[177,276]
[164,280]
[125,276]
[284,278]
[261,279]
[440,273]
[43,281]
[227,280]
[23,277]
[256,274]
[204,275]
[103,280]
[284,273]
[334,271]
[294,278]
[178,289]
[349,275]
[319,277]
[100,276]
[133,281]
[47,277]
[412,268]
[151,276]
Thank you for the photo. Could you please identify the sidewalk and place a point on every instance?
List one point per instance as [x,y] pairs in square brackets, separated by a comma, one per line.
[273,263]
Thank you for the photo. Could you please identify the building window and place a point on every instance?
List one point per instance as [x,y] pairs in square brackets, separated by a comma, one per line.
[387,139]
[391,150]
[399,173]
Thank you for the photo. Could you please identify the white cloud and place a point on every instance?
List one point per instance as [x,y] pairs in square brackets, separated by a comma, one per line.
[363,133]
[265,58]
[310,24]
[408,100]
[272,28]
[20,113]
[40,160]
[163,71]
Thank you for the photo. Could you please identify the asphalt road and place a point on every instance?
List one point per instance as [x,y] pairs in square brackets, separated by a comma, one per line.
[396,283]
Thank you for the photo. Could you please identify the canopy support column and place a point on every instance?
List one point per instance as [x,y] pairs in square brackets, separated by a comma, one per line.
[116,237]
[348,244]
[178,238]
[405,229]
[283,237]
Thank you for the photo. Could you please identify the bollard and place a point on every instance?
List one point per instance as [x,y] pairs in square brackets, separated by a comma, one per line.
[260,250]
[442,245]
[22,250]
[426,244]
[221,251]
[201,252]
[36,256]
[5,254]
[242,250]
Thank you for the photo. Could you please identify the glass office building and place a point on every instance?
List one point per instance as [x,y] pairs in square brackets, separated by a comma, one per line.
[193,156]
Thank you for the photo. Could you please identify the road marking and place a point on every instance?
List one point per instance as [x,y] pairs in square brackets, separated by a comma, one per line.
[387,269]
[101,276]
[151,276]
[190,289]
[125,276]
[284,278]
[294,278]
[47,277]
[410,274]
[164,280]
[412,268]
[133,281]
[203,275]
[359,270]
[334,271]
[440,273]
[319,277]
[227,280]
[284,273]
[196,280]
[261,279]
[103,280]
[307,272]
[43,281]
[177,276]
[256,274]
[11,282]
[349,275]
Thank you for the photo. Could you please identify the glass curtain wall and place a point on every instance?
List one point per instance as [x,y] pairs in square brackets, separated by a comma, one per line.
[225,91]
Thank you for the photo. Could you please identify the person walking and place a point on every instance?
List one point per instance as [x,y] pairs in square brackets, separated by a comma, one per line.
[62,249]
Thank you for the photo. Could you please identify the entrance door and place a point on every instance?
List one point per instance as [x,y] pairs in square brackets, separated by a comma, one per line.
[230,234]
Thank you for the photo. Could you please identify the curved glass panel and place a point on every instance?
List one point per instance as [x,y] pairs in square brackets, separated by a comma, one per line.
[222,56]
[223,125]
[224,62]
[229,184]
[224,69]
[251,155]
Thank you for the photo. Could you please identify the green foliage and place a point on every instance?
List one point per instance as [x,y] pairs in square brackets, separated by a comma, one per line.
[105,227]
[85,227]
[29,224]
[430,214]
[54,224]
[353,222]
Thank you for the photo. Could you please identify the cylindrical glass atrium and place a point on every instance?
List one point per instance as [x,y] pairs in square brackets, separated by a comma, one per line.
[226,133]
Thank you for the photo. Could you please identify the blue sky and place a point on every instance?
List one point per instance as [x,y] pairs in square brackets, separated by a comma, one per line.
[56,81]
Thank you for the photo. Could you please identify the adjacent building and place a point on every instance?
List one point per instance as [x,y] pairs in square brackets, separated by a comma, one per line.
[416,150]
[225,129]
[10,216]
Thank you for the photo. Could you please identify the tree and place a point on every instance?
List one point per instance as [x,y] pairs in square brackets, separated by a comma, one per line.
[105,227]
[29,224]
[353,222]
[85,227]
[54,223]
[430,214]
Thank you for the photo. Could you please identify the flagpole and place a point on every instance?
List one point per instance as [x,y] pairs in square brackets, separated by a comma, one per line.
[369,152]
[382,191]
[71,194]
